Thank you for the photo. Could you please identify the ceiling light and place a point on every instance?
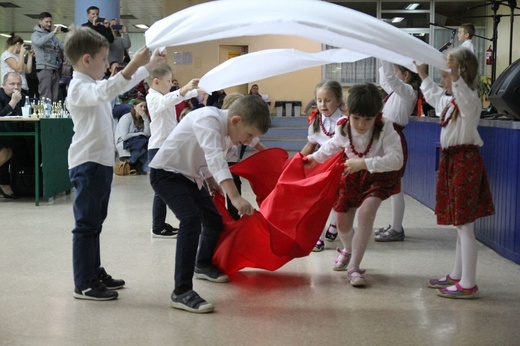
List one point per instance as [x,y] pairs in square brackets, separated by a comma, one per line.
[5,35]
[412,6]
[141,26]
[397,19]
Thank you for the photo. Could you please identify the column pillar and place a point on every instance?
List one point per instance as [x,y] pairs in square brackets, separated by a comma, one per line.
[107,9]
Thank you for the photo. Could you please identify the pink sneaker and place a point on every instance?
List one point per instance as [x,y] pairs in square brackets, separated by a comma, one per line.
[443,282]
[341,262]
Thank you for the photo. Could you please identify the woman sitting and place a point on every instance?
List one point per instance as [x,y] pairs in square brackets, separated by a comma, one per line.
[132,134]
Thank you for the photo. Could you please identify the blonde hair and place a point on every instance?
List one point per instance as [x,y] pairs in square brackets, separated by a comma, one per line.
[83,40]
[468,65]
[229,99]
[159,71]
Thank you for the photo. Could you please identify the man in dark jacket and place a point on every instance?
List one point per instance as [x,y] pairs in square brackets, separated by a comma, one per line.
[11,97]
[95,23]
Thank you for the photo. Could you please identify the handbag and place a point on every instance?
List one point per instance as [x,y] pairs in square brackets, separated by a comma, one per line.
[123,168]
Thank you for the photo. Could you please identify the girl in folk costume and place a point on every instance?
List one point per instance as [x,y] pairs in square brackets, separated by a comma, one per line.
[402,87]
[463,193]
[374,156]
[329,101]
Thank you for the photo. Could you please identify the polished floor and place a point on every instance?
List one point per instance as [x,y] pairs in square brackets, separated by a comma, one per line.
[303,303]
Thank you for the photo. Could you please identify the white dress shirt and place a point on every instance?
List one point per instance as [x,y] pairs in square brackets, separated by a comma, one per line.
[88,102]
[463,130]
[329,123]
[400,105]
[162,113]
[386,153]
[197,147]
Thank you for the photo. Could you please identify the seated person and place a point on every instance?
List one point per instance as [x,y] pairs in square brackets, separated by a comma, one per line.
[11,102]
[132,134]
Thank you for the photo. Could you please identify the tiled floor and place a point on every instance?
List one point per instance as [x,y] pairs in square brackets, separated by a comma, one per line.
[303,303]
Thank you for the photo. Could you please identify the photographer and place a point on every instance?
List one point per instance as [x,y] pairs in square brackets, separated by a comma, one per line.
[121,42]
[97,23]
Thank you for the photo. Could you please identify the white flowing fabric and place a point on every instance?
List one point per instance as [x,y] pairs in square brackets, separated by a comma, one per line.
[268,63]
[316,20]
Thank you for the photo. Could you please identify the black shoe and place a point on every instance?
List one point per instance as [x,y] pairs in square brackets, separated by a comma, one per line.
[95,291]
[210,273]
[108,281]
[167,232]
[8,196]
[191,301]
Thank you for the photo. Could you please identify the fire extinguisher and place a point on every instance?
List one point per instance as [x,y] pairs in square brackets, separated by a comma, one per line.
[489,56]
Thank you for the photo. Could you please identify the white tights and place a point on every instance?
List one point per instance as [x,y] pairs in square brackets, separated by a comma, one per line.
[397,201]
[356,241]
[465,266]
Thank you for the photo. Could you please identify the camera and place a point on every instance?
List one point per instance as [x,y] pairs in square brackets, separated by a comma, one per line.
[117,27]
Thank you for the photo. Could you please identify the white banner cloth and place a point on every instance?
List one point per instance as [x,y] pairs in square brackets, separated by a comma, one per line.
[316,20]
[270,62]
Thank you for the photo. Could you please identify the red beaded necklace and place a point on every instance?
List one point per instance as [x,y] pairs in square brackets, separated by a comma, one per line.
[349,133]
[327,133]
[444,120]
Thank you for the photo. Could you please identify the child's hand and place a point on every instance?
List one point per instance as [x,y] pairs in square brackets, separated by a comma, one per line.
[157,58]
[141,57]
[192,84]
[453,64]
[213,186]
[243,206]
[422,70]
[309,161]
[355,165]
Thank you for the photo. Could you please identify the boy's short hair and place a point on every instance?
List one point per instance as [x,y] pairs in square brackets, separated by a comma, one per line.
[468,29]
[253,110]
[92,8]
[364,100]
[83,40]
[159,71]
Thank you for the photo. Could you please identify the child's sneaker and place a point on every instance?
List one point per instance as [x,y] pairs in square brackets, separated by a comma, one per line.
[192,302]
[167,232]
[95,291]
[460,293]
[382,230]
[442,282]
[210,273]
[329,235]
[320,246]
[108,281]
[356,278]
[341,262]
[390,235]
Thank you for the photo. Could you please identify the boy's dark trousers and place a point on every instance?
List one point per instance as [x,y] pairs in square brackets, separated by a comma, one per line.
[158,206]
[200,223]
[92,182]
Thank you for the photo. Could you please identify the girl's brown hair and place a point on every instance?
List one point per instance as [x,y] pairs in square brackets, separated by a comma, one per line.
[365,100]
[14,39]
[138,121]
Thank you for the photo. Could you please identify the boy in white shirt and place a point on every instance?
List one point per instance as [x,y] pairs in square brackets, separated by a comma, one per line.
[465,34]
[161,106]
[193,153]
[91,153]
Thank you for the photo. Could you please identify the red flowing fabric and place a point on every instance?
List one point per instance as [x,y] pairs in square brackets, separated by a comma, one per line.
[291,217]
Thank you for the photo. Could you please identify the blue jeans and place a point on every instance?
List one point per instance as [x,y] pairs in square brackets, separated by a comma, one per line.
[199,228]
[158,206]
[92,182]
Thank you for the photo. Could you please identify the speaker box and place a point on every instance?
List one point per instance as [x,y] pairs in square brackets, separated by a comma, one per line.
[505,92]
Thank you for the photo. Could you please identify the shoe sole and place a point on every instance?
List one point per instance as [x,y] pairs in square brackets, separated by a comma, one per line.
[164,236]
[358,283]
[383,240]
[472,296]
[208,307]
[318,249]
[115,287]
[220,279]
[84,297]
